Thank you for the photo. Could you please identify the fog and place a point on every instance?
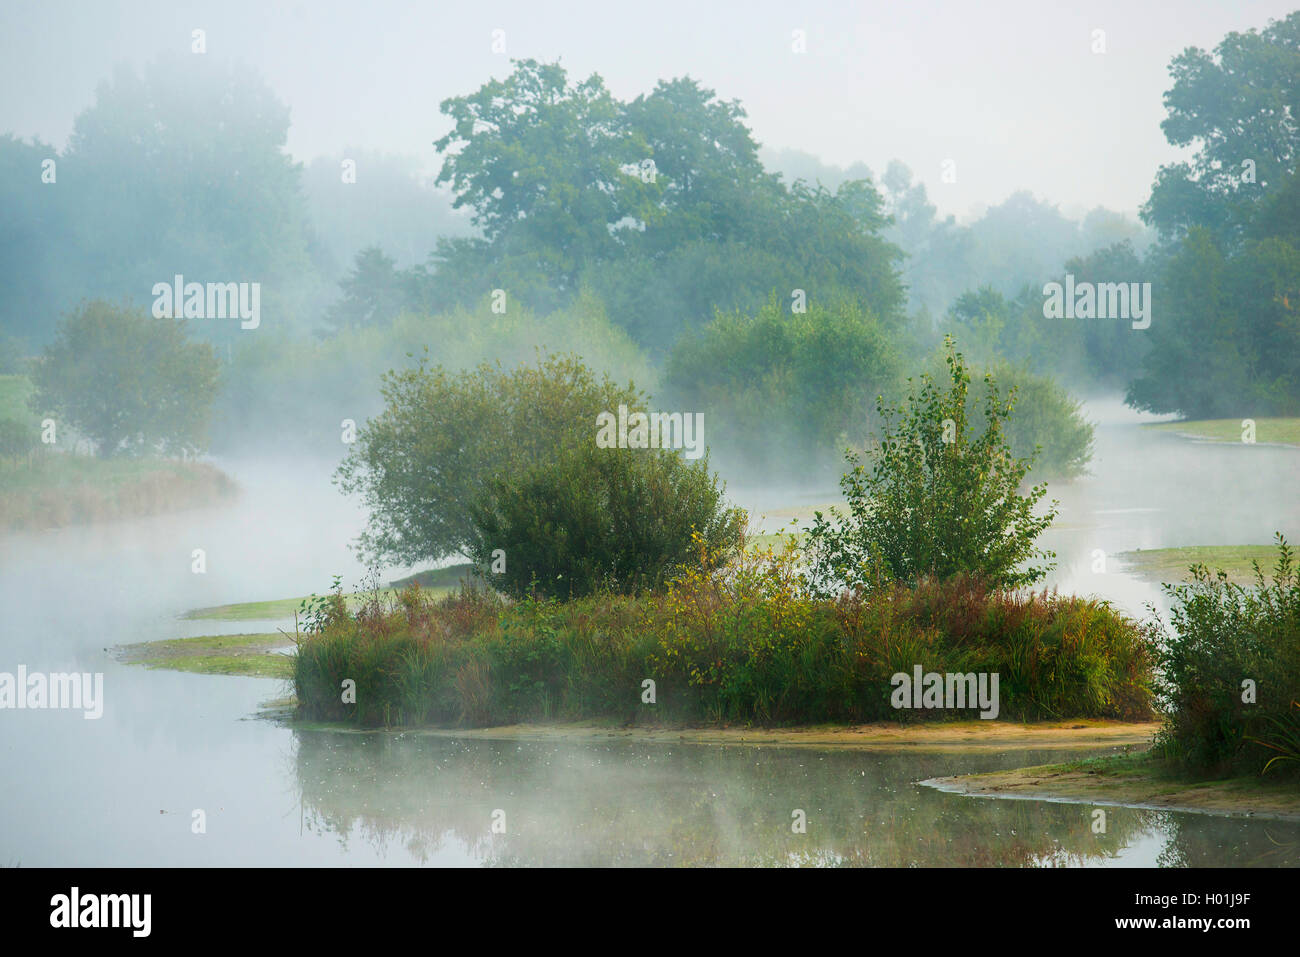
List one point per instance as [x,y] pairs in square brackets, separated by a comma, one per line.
[874,177]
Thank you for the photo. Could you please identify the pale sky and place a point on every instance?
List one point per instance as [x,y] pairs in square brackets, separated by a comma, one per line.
[1011,91]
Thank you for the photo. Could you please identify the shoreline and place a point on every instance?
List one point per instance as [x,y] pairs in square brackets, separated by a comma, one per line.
[1136,784]
[959,736]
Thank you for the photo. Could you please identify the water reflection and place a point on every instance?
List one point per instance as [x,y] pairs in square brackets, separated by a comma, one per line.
[428,799]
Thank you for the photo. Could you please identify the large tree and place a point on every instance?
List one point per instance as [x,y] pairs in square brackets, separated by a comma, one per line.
[1239,108]
[127,381]
[542,163]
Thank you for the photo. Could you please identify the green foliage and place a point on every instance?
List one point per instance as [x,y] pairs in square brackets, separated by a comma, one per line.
[127,381]
[17,439]
[593,519]
[558,176]
[1227,340]
[1235,105]
[300,391]
[1048,425]
[540,161]
[178,167]
[941,499]
[1223,635]
[443,437]
[741,641]
[784,392]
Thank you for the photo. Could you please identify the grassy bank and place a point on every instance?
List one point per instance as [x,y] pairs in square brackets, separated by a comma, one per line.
[255,655]
[1172,564]
[434,583]
[1274,431]
[744,647]
[1136,780]
[53,489]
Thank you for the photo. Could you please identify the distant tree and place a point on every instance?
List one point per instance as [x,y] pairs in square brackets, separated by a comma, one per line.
[785,392]
[374,292]
[181,167]
[127,381]
[1238,107]
[541,162]
[942,498]
[659,206]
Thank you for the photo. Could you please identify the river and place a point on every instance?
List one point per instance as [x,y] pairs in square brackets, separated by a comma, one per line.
[124,789]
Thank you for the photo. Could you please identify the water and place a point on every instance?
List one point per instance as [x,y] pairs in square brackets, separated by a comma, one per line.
[123,789]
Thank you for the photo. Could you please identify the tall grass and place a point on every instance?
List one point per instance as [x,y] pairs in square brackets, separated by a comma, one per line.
[1230,671]
[746,644]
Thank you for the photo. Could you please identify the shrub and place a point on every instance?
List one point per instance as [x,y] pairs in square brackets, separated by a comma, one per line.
[1223,635]
[17,439]
[787,391]
[941,499]
[1048,425]
[127,381]
[739,641]
[593,519]
[442,438]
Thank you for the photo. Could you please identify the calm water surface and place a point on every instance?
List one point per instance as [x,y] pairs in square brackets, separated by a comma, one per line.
[121,790]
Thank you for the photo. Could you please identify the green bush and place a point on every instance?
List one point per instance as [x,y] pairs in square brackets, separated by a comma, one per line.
[1048,425]
[17,439]
[746,641]
[785,392]
[942,498]
[127,381]
[1224,635]
[443,437]
[593,519]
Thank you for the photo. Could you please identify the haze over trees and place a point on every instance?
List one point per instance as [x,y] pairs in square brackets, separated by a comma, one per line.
[127,381]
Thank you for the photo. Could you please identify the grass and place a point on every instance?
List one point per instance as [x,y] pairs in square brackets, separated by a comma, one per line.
[56,489]
[437,582]
[1140,778]
[1172,564]
[1281,431]
[253,655]
[747,645]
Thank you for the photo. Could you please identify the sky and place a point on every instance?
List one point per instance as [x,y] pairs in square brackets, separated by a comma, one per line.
[1012,93]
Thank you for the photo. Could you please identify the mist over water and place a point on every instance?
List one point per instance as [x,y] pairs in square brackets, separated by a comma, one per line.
[121,789]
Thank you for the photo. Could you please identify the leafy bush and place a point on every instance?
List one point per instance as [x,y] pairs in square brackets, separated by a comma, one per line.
[786,391]
[443,437]
[595,519]
[1224,635]
[17,439]
[942,499]
[1048,425]
[741,641]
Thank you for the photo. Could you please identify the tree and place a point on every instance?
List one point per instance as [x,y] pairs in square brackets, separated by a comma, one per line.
[785,391]
[541,161]
[592,519]
[182,168]
[941,498]
[374,292]
[1240,108]
[423,462]
[127,381]
[659,206]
